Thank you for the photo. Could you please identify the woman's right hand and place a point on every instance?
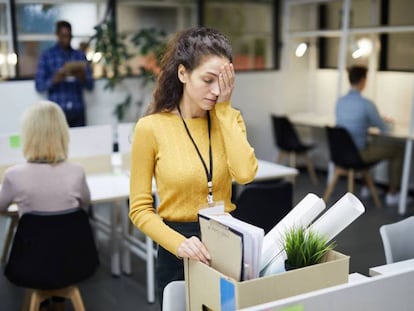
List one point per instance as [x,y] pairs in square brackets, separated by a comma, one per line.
[193,248]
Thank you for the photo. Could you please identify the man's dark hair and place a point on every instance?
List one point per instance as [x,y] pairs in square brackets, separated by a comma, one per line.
[63,24]
[356,74]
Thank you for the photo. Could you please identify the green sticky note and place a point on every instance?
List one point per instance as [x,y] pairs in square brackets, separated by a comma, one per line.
[14,141]
[293,308]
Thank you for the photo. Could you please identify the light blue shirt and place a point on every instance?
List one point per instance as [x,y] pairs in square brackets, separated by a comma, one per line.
[357,114]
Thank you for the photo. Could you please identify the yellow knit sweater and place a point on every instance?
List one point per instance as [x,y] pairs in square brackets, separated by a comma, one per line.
[162,148]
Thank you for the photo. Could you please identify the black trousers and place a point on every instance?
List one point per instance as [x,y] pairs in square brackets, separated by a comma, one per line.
[168,267]
[76,117]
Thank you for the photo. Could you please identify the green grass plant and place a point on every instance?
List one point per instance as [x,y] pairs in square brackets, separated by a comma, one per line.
[304,247]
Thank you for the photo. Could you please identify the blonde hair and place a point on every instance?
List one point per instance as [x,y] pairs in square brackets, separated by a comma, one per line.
[45,133]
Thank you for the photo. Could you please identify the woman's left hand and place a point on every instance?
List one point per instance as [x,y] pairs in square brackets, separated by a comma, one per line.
[226,83]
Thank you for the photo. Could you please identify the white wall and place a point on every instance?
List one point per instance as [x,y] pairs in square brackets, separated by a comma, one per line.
[257,95]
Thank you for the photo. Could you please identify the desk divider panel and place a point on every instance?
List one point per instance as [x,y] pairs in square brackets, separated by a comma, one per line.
[90,141]
[125,135]
[11,149]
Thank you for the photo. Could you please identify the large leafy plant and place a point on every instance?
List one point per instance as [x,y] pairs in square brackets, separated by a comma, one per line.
[117,50]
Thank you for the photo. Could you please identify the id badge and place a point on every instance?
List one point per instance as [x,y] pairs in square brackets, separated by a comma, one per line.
[212,208]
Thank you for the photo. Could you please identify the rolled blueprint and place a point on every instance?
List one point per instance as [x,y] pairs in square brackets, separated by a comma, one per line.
[338,217]
[301,215]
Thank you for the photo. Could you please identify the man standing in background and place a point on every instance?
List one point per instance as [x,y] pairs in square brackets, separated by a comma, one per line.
[63,73]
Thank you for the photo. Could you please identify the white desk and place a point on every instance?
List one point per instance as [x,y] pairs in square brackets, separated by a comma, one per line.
[269,170]
[396,267]
[399,131]
[115,188]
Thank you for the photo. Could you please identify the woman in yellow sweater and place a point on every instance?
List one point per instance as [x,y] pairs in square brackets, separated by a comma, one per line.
[194,144]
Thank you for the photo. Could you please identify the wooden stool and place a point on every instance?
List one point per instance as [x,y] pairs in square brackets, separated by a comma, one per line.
[34,297]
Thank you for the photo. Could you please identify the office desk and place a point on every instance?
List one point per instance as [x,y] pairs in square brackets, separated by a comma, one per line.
[399,131]
[396,267]
[114,188]
[269,170]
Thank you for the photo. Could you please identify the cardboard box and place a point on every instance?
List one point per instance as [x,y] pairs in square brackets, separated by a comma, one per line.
[207,288]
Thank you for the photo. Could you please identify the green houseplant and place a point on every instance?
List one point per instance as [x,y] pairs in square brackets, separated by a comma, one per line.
[117,52]
[304,247]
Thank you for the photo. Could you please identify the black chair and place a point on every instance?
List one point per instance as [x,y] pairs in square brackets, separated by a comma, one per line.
[345,155]
[289,144]
[264,205]
[50,254]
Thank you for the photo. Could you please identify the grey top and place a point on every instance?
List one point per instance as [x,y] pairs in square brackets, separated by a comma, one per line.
[44,187]
[357,113]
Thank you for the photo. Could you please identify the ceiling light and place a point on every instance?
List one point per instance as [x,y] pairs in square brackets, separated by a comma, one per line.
[301,49]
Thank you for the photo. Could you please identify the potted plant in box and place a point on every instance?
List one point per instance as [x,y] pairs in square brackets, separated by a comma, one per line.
[304,247]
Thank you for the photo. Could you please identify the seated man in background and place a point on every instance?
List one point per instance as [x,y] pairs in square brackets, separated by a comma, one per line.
[357,113]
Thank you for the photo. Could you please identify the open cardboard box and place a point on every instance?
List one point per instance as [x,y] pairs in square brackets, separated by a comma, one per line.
[208,289]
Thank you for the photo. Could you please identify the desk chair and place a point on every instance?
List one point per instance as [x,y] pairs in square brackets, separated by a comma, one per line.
[264,205]
[398,240]
[51,253]
[289,144]
[174,296]
[345,155]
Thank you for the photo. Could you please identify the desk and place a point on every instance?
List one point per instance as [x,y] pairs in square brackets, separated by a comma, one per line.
[396,267]
[399,131]
[114,188]
[269,170]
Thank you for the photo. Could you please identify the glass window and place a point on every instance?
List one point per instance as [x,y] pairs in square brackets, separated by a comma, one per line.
[3,19]
[400,51]
[41,18]
[363,13]
[357,52]
[249,26]
[29,53]
[4,64]
[395,49]
[400,12]
[36,28]
[167,17]
[301,19]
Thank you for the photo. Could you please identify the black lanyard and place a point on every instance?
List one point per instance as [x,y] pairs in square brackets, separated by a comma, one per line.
[209,174]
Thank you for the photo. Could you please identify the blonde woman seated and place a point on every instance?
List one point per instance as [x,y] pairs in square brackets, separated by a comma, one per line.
[46,182]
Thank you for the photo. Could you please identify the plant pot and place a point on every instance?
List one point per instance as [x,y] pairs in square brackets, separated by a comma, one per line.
[288,267]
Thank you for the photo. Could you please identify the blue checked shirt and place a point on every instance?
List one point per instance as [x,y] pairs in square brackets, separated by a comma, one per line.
[68,94]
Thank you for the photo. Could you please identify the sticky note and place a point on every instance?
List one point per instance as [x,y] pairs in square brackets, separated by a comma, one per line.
[294,308]
[14,141]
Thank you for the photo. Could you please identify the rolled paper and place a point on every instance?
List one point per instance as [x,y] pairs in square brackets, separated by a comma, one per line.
[301,215]
[338,217]
[276,266]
